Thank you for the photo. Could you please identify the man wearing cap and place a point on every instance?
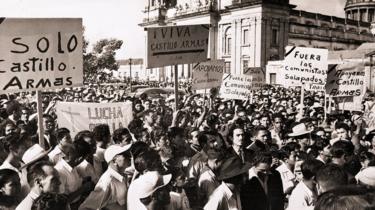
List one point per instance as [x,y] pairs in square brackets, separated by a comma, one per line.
[302,135]
[227,196]
[111,190]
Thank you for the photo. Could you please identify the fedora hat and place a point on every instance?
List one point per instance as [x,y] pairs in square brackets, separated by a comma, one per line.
[232,167]
[299,130]
[33,154]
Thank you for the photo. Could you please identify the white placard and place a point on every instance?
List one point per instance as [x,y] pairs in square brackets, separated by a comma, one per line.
[39,54]
[236,87]
[346,79]
[208,74]
[176,45]
[305,65]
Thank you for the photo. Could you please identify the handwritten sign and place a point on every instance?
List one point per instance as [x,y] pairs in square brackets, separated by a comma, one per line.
[236,86]
[315,87]
[39,54]
[176,45]
[85,116]
[305,65]
[258,77]
[353,103]
[208,74]
[346,79]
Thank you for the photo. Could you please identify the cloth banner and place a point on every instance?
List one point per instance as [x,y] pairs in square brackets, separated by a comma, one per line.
[40,53]
[305,65]
[208,74]
[346,79]
[85,116]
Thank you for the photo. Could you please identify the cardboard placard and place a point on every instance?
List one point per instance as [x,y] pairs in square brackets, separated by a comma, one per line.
[39,54]
[208,74]
[174,45]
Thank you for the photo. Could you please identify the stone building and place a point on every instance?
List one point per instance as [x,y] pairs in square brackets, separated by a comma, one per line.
[249,33]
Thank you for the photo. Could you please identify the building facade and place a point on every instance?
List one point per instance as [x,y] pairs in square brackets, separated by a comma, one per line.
[249,33]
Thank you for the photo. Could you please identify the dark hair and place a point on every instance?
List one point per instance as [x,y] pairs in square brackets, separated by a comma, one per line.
[61,133]
[147,112]
[101,132]
[118,133]
[341,148]
[148,160]
[36,172]
[82,148]
[13,106]
[83,134]
[50,201]
[262,157]
[342,125]
[331,176]
[6,175]
[258,129]
[310,167]
[138,148]
[174,131]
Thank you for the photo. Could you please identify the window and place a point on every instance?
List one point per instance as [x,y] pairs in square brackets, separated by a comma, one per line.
[245,65]
[227,41]
[245,39]
[272,78]
[275,37]
[227,67]
[151,71]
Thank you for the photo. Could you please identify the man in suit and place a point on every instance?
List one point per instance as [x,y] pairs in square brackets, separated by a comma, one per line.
[50,140]
[237,141]
[263,189]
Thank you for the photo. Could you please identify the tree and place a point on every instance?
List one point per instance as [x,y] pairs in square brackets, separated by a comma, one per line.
[101,57]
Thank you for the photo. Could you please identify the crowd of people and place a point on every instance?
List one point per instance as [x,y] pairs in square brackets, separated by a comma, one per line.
[269,152]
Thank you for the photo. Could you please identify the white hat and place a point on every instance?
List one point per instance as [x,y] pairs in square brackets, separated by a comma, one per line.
[114,150]
[367,176]
[299,130]
[151,181]
[33,154]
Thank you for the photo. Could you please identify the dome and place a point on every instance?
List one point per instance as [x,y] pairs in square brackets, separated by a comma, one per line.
[360,10]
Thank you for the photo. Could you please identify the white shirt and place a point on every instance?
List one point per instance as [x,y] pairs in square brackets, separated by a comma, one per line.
[110,192]
[56,155]
[223,194]
[302,198]
[86,169]
[69,177]
[287,176]
[27,203]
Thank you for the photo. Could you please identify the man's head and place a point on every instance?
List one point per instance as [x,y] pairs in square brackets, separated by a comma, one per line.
[310,167]
[87,136]
[265,121]
[342,131]
[331,176]
[51,201]
[207,140]
[237,133]
[101,134]
[148,116]
[342,151]
[262,163]
[261,134]
[63,137]
[288,156]
[76,153]
[118,157]
[122,136]
[278,120]
[48,123]
[43,177]
[10,129]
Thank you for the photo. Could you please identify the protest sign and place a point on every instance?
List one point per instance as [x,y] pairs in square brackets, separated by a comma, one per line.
[85,116]
[258,77]
[39,54]
[208,74]
[305,65]
[349,103]
[346,79]
[174,45]
[236,86]
[315,87]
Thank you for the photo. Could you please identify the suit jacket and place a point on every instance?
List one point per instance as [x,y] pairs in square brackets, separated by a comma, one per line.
[247,154]
[50,143]
[253,196]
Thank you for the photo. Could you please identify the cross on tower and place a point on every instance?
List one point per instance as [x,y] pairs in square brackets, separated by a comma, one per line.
[69,112]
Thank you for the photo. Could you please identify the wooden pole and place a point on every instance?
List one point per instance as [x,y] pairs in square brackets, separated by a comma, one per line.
[176,87]
[40,118]
[302,99]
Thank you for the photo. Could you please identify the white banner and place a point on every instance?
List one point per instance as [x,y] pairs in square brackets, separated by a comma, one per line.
[305,65]
[349,103]
[236,87]
[39,54]
[208,74]
[176,45]
[346,79]
[85,116]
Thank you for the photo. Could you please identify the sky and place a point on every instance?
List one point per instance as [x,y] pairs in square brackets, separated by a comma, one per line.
[120,18]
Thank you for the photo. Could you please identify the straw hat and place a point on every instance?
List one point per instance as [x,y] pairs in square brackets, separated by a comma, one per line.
[299,130]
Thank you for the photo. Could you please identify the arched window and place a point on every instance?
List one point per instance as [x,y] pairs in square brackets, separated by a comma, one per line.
[227,44]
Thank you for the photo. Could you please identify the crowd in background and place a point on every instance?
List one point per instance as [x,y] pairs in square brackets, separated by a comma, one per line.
[269,152]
